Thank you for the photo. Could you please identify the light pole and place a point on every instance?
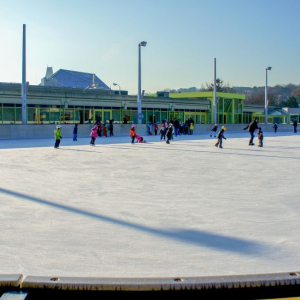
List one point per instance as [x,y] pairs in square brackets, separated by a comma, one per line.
[119,88]
[24,84]
[139,100]
[266,95]
[215,92]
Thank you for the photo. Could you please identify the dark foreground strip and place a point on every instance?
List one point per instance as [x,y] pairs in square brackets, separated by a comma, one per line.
[260,286]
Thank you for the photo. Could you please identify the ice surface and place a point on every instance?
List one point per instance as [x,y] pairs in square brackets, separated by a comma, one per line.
[150,210]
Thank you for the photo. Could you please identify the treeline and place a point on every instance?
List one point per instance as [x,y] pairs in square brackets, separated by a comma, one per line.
[279,95]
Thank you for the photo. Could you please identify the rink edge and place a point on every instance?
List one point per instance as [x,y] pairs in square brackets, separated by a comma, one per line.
[156,284]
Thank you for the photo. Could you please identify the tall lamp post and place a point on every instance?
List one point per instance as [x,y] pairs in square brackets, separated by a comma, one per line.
[24,84]
[266,95]
[139,100]
[119,88]
[215,92]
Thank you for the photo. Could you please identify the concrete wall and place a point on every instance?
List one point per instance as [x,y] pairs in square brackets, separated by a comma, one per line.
[47,131]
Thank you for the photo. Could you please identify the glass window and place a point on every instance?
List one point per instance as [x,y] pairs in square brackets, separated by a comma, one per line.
[220,105]
[78,116]
[32,115]
[134,116]
[164,115]
[88,115]
[55,116]
[144,112]
[18,115]
[157,116]
[8,115]
[116,115]
[68,116]
[125,115]
[44,115]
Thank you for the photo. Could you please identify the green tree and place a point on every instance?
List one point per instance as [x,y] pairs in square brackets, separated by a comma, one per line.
[292,102]
[221,87]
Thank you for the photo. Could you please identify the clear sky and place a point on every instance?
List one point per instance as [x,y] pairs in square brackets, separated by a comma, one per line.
[183,38]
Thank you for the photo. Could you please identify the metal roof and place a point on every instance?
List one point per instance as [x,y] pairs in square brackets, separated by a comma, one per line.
[74,79]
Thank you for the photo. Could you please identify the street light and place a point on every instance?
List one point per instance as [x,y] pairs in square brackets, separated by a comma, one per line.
[139,100]
[119,88]
[266,95]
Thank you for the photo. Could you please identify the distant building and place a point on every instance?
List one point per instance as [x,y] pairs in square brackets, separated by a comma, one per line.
[72,79]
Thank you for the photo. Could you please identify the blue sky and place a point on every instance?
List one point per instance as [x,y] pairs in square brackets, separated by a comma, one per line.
[183,37]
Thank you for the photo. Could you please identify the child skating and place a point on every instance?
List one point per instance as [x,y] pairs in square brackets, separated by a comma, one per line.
[169,133]
[75,131]
[162,132]
[57,136]
[221,137]
[104,130]
[94,135]
[260,137]
[132,133]
[215,128]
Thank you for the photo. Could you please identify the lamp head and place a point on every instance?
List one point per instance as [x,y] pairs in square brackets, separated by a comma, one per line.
[143,44]
[269,68]
[115,84]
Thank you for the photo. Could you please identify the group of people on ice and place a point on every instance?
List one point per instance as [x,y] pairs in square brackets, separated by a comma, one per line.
[99,130]
[168,130]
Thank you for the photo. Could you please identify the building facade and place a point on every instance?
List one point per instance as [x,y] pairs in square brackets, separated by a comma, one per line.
[65,105]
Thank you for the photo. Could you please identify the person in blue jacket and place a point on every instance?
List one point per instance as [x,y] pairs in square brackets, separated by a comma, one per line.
[75,131]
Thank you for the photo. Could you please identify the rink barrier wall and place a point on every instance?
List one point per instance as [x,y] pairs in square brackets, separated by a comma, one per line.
[161,284]
[47,131]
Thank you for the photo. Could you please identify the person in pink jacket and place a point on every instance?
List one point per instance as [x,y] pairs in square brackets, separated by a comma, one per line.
[94,135]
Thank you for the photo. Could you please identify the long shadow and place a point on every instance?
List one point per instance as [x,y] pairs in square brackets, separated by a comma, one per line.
[222,151]
[79,150]
[194,237]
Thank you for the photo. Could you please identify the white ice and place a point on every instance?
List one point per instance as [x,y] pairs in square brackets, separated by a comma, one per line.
[150,210]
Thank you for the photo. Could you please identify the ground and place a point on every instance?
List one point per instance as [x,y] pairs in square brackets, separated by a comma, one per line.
[150,210]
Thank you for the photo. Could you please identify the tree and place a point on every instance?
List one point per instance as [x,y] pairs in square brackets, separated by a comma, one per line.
[291,102]
[221,87]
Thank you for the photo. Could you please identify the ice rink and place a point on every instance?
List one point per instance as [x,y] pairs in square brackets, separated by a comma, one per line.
[150,210]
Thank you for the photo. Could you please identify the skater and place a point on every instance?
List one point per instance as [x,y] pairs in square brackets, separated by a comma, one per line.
[111,127]
[260,136]
[191,128]
[169,133]
[149,126]
[155,128]
[99,129]
[295,125]
[176,126]
[104,130]
[140,139]
[251,128]
[132,133]
[221,137]
[75,130]
[275,127]
[94,135]
[215,128]
[162,132]
[57,135]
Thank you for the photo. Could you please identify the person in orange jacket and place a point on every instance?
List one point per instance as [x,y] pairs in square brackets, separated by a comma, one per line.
[104,130]
[132,133]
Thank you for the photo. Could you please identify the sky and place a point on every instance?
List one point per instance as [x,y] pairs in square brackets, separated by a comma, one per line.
[183,38]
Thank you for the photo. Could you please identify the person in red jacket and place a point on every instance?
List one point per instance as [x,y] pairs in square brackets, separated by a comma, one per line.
[155,128]
[104,130]
[132,133]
